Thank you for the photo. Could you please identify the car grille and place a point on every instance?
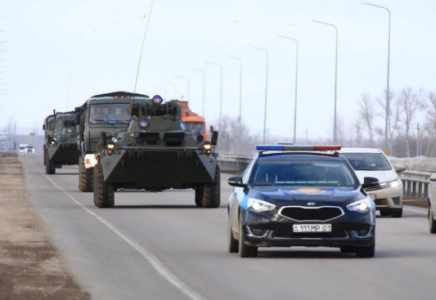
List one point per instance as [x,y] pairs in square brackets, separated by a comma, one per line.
[311,214]
[382,201]
[336,233]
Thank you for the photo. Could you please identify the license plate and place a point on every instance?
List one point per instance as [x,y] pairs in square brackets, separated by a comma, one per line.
[313,228]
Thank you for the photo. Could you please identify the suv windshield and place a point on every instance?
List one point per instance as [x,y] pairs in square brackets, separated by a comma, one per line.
[367,161]
[302,172]
[195,126]
[112,113]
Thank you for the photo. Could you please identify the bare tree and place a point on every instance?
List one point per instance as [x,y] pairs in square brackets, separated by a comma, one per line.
[367,115]
[411,102]
[430,124]
[394,116]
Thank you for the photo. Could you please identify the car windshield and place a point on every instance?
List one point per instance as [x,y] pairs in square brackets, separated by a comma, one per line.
[65,123]
[109,113]
[302,172]
[195,126]
[368,161]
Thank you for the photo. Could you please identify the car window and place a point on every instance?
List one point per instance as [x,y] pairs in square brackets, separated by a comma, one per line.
[302,172]
[368,161]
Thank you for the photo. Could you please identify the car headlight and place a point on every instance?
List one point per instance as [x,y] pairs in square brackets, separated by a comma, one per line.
[361,206]
[393,184]
[257,205]
[114,139]
[110,146]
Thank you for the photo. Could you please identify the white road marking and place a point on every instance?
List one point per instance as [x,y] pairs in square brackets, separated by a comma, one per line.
[154,262]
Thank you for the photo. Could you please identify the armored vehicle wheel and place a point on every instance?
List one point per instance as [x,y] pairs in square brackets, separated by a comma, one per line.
[44,155]
[49,165]
[103,192]
[86,177]
[210,193]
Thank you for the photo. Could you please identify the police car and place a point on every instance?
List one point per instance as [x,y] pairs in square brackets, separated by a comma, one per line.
[300,196]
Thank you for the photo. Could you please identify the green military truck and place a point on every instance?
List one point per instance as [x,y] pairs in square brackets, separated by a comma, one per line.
[155,152]
[60,141]
[100,113]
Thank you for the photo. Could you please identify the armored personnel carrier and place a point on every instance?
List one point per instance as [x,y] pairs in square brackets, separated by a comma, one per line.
[100,113]
[155,152]
[60,144]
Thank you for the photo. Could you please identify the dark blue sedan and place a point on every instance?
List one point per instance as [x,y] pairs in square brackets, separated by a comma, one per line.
[300,196]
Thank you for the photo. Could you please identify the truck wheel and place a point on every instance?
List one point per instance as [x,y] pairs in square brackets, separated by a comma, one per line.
[103,192]
[199,196]
[365,252]
[211,196]
[49,165]
[86,177]
[244,250]
[233,244]
[397,213]
[431,221]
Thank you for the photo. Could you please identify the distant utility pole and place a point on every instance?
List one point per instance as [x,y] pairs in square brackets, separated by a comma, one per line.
[221,91]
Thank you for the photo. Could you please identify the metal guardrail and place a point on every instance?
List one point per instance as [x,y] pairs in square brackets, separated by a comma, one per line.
[415,183]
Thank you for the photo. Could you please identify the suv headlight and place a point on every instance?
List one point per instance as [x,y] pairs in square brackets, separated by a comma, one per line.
[392,184]
[257,205]
[361,206]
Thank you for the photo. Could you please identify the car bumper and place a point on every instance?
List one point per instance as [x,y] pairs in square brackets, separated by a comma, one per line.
[388,198]
[354,229]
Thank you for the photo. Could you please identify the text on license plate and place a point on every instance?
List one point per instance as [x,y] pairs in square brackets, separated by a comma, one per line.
[313,228]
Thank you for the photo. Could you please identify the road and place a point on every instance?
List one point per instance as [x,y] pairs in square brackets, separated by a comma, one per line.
[161,246]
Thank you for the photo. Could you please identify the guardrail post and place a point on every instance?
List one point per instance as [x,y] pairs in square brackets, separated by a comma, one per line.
[409,187]
[426,190]
[413,188]
[419,188]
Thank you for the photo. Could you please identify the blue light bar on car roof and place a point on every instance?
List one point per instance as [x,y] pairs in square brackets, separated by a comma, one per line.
[296,148]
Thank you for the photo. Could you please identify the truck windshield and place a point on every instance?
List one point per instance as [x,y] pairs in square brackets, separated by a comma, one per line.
[109,113]
[367,161]
[195,126]
[307,173]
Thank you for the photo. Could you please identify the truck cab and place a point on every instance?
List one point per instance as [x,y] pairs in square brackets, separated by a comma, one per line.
[192,121]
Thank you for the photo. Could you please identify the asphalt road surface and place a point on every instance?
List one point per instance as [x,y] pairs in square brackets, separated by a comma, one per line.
[161,246]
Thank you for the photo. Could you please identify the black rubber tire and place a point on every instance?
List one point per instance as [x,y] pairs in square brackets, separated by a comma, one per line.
[44,154]
[365,252]
[431,221]
[397,213]
[232,243]
[348,249]
[199,196]
[49,165]
[103,192]
[86,178]
[385,213]
[211,197]
[244,250]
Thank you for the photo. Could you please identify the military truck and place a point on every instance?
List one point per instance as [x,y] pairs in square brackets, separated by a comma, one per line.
[155,152]
[100,113]
[60,141]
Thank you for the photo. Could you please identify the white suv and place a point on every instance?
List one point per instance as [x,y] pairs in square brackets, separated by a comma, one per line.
[370,162]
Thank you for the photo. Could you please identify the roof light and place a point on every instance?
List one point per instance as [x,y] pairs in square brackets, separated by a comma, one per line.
[296,148]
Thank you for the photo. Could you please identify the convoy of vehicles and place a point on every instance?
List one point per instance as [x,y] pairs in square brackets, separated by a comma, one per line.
[388,195]
[298,196]
[155,152]
[60,139]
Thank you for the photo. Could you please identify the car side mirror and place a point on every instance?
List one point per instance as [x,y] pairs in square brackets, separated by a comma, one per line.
[370,182]
[433,177]
[399,168]
[214,139]
[236,181]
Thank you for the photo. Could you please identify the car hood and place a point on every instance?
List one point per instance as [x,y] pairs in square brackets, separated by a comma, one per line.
[281,196]
[382,176]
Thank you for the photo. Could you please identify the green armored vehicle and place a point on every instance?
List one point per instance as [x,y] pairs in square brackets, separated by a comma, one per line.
[100,113]
[155,152]
[60,144]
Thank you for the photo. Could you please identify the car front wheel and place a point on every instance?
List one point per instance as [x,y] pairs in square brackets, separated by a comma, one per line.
[431,221]
[232,243]
[245,250]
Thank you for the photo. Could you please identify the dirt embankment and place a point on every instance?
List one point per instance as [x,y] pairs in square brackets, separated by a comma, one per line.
[30,265]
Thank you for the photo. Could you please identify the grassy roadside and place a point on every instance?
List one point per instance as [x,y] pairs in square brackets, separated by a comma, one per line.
[30,265]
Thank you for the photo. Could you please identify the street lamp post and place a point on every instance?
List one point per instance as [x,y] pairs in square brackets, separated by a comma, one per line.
[336,80]
[240,92]
[162,88]
[187,80]
[266,90]
[174,87]
[296,85]
[204,87]
[221,92]
[389,64]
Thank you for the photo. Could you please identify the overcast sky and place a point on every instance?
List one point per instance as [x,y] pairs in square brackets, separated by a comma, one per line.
[97,44]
